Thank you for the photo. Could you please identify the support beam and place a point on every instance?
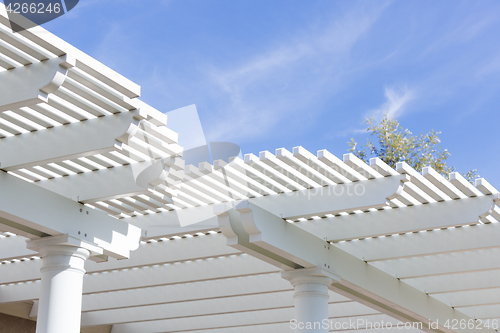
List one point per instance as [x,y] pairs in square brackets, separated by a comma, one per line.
[263,328]
[400,220]
[442,264]
[366,324]
[359,280]
[100,185]
[333,199]
[14,247]
[176,222]
[229,287]
[107,184]
[40,43]
[216,322]
[261,284]
[30,85]
[470,298]
[467,238]
[34,212]
[65,142]
[220,322]
[147,276]
[163,252]
[483,312]
[213,306]
[207,307]
[457,282]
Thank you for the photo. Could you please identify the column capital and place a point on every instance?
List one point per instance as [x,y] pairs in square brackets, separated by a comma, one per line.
[311,297]
[315,275]
[64,240]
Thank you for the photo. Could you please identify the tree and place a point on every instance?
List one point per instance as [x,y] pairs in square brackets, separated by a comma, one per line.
[396,144]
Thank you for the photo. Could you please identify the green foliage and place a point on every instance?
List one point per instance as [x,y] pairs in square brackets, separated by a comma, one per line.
[396,144]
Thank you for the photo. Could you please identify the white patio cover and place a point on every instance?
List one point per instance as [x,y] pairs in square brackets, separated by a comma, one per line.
[209,248]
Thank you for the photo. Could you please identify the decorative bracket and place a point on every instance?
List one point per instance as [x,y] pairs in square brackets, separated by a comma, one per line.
[32,84]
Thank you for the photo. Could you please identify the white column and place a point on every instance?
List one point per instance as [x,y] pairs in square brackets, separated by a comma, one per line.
[311,299]
[60,304]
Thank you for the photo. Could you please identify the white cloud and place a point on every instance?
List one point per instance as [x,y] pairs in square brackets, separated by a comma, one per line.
[283,82]
[396,102]
[491,67]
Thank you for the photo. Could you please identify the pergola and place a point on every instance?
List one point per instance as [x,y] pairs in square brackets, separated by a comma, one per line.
[105,229]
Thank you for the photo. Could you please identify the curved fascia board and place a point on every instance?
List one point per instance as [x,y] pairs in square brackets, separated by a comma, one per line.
[32,84]
[120,181]
[361,195]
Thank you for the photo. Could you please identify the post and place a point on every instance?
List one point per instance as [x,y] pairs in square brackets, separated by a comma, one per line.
[311,299]
[60,304]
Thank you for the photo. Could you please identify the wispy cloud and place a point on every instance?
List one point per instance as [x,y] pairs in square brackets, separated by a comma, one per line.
[396,102]
[397,99]
[282,83]
[490,67]
[464,28]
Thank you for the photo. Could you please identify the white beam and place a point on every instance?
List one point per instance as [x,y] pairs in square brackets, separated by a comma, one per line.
[42,44]
[359,165]
[425,185]
[99,185]
[14,247]
[381,167]
[195,308]
[463,185]
[294,174]
[335,174]
[65,142]
[176,222]
[485,187]
[302,167]
[441,264]
[202,269]
[35,212]
[147,276]
[399,220]
[106,184]
[443,184]
[284,327]
[360,281]
[457,282]
[263,328]
[234,286]
[470,297]
[467,238]
[30,85]
[220,321]
[336,164]
[320,201]
[282,178]
[483,312]
[162,252]
[210,307]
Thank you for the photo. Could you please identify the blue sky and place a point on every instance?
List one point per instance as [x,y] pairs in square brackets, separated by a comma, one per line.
[272,74]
